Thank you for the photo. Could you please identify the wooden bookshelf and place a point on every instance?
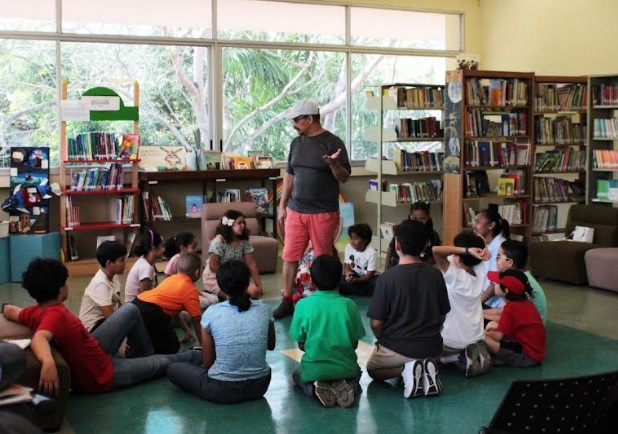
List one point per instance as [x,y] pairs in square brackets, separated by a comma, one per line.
[489,115]
[124,230]
[210,182]
[602,175]
[560,108]
[408,115]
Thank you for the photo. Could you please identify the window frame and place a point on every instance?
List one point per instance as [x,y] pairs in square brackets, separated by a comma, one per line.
[215,47]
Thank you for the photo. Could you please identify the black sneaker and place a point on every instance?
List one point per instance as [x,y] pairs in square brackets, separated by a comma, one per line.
[325,393]
[473,365]
[484,357]
[412,379]
[344,393]
[286,308]
[432,386]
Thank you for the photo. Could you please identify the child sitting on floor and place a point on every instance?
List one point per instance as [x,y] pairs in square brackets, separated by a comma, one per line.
[359,276]
[235,336]
[91,357]
[231,242]
[463,268]
[185,242]
[158,306]
[142,275]
[102,295]
[327,328]
[513,255]
[519,338]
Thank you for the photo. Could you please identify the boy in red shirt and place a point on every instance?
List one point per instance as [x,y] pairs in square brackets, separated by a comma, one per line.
[519,338]
[90,357]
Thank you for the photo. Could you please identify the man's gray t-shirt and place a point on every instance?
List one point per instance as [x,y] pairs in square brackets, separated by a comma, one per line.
[315,189]
[241,340]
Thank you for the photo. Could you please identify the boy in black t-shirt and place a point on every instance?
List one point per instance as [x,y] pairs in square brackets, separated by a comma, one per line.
[407,310]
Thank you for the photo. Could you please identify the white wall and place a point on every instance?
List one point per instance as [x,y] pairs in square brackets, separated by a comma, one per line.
[549,37]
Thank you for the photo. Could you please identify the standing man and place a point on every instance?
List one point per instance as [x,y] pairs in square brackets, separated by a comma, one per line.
[309,207]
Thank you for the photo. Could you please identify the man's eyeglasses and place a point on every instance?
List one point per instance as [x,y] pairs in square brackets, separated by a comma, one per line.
[297,119]
[499,256]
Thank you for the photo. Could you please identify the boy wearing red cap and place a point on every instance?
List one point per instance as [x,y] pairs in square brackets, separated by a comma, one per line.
[519,338]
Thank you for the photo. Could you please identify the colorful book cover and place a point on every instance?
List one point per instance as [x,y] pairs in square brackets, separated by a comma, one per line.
[209,160]
[506,186]
[155,158]
[259,196]
[194,205]
[129,147]
[241,163]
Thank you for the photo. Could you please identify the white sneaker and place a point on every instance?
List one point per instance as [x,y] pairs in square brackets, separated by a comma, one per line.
[412,379]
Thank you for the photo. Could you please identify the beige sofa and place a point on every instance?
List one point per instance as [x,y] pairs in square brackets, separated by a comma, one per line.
[266,248]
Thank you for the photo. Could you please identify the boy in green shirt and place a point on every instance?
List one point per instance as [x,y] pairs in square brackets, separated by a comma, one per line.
[327,328]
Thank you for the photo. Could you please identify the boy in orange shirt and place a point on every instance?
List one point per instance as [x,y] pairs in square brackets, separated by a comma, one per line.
[158,306]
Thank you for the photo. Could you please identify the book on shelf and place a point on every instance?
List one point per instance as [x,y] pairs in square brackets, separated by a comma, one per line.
[156,158]
[129,147]
[387,230]
[262,162]
[130,242]
[72,247]
[506,186]
[193,206]
[102,238]
[259,196]
[242,163]
[209,160]
[229,195]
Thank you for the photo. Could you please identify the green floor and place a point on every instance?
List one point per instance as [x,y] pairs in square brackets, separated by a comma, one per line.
[582,337]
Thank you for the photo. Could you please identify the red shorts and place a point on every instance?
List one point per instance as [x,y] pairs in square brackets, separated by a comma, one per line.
[301,228]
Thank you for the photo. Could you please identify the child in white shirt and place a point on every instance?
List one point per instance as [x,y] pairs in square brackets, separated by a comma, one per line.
[142,275]
[360,261]
[102,295]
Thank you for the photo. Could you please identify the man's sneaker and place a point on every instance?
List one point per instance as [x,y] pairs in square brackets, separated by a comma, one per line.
[412,379]
[473,367]
[286,308]
[484,357]
[344,393]
[432,386]
[325,393]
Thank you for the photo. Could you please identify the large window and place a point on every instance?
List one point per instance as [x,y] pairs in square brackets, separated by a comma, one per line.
[259,86]
[372,70]
[173,87]
[266,55]
[28,115]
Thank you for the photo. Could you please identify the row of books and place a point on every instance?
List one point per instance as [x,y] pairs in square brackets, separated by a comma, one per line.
[73,217]
[478,124]
[123,209]
[408,192]
[513,211]
[560,160]
[495,154]
[607,189]
[604,159]
[605,94]
[417,97]
[421,161]
[160,208]
[545,219]
[239,162]
[553,97]
[427,127]
[102,146]
[560,130]
[605,128]
[477,183]
[229,195]
[553,190]
[498,92]
[108,177]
